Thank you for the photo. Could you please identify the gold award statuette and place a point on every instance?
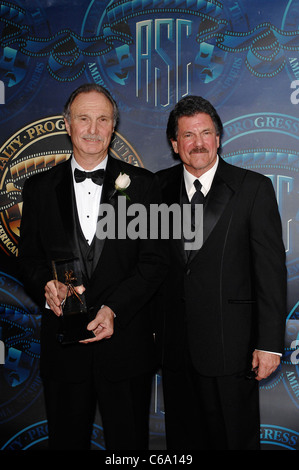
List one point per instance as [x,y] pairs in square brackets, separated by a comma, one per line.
[75,315]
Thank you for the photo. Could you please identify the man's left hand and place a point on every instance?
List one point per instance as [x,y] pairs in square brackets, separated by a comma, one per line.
[102,326]
[265,362]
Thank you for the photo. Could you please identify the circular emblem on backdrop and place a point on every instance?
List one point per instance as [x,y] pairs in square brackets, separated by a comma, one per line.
[21,73]
[20,383]
[280,162]
[158,53]
[34,436]
[290,359]
[290,22]
[281,165]
[278,436]
[35,148]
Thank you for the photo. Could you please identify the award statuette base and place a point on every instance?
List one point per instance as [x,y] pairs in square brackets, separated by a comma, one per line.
[74,329]
[75,314]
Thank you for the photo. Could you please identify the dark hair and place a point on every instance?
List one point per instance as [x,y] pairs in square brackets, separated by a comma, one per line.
[87,88]
[189,106]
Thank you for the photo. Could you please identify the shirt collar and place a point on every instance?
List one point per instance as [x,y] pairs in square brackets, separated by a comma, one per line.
[206,180]
[75,164]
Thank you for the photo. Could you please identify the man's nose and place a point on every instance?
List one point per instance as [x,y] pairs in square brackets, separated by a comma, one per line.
[198,140]
[93,126]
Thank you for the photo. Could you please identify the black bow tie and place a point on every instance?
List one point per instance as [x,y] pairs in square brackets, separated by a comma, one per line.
[97,176]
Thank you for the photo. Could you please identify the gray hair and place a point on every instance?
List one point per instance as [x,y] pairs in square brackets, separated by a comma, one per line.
[87,88]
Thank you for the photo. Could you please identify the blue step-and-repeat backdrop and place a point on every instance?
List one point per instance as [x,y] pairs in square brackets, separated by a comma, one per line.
[242,55]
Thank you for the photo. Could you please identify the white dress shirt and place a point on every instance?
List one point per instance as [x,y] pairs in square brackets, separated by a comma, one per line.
[88,197]
[206,180]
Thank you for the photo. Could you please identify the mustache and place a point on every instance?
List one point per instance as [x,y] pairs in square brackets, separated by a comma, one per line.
[198,150]
[93,137]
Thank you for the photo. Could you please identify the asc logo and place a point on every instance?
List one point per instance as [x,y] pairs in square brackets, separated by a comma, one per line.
[156,54]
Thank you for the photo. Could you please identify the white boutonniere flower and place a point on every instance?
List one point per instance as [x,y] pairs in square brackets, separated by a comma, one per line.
[122,182]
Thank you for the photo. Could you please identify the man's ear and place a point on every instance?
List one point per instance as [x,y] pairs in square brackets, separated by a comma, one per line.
[67,126]
[174,145]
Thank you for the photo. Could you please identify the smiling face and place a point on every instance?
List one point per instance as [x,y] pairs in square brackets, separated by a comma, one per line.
[90,127]
[196,143]
[118,64]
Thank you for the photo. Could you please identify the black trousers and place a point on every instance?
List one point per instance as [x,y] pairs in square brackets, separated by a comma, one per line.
[124,408]
[210,413]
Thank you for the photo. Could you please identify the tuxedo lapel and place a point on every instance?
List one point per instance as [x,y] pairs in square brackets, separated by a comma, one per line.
[107,197]
[215,204]
[111,173]
[174,189]
[175,193]
[217,200]
[66,205]
[222,190]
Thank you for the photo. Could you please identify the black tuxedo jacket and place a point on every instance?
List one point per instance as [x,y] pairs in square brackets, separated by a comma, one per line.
[229,296]
[126,273]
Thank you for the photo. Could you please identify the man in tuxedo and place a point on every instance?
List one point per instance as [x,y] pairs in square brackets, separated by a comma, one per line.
[120,276]
[224,305]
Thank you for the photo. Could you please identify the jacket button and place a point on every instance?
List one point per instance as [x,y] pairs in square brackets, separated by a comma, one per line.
[188,271]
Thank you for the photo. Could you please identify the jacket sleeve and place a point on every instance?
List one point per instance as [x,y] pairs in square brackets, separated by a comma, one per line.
[32,267]
[269,270]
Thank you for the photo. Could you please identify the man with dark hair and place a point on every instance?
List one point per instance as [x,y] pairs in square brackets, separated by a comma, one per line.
[120,276]
[223,305]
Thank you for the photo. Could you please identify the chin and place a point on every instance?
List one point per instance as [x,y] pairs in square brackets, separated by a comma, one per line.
[93,149]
